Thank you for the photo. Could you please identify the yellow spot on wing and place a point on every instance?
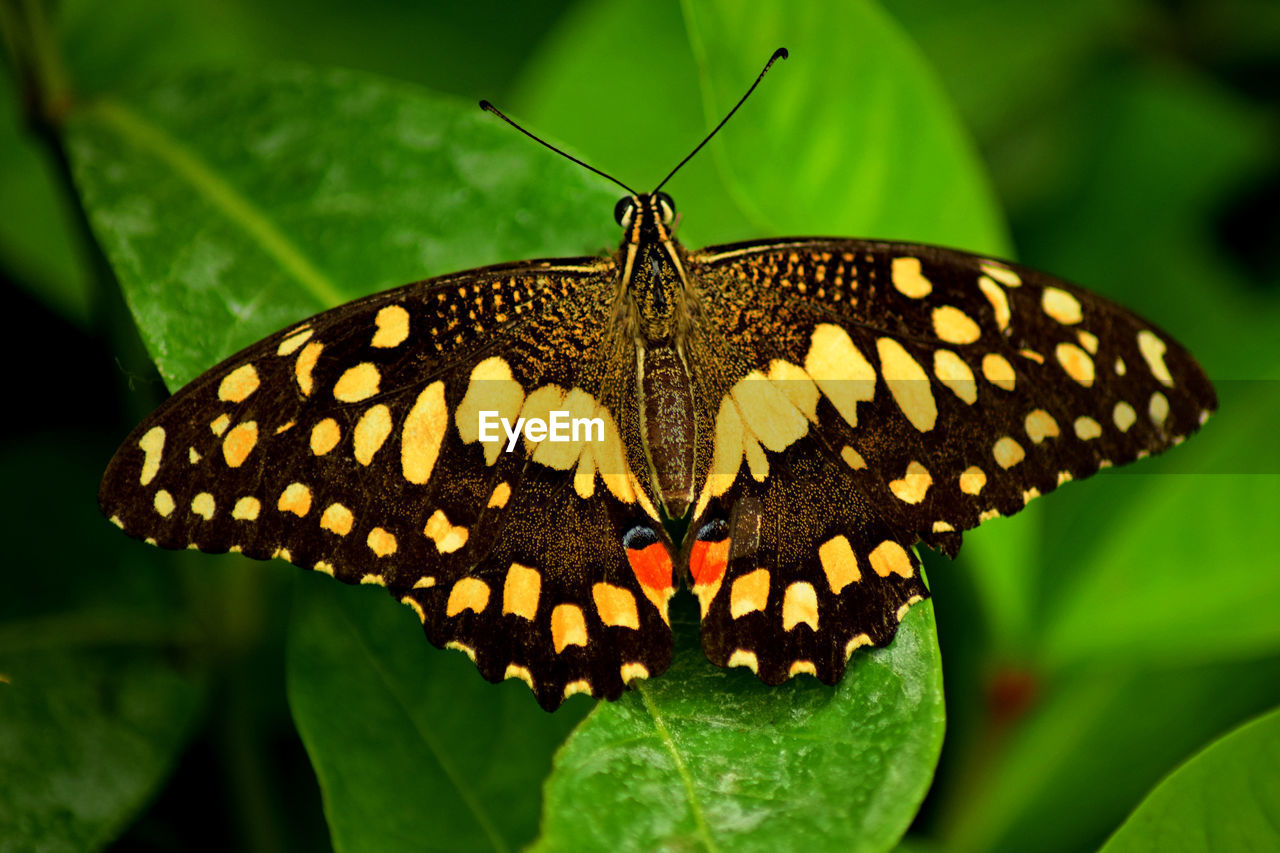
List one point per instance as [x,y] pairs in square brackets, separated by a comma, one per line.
[768,413]
[954,326]
[1087,428]
[239,443]
[357,383]
[841,372]
[490,388]
[575,687]
[998,371]
[1158,408]
[972,480]
[1076,362]
[246,509]
[568,627]
[467,594]
[797,386]
[152,444]
[237,385]
[913,485]
[908,279]
[1153,350]
[371,431]
[1061,306]
[296,498]
[1088,340]
[838,563]
[337,519]
[1001,273]
[163,503]
[220,423]
[908,383]
[381,542]
[305,364]
[325,436]
[203,505]
[744,657]
[392,324]
[999,301]
[805,667]
[749,593]
[1007,452]
[290,344]
[448,538]
[952,372]
[853,458]
[615,606]
[521,591]
[1124,416]
[800,604]
[889,557]
[631,671]
[423,433]
[1040,425]
[856,643]
[501,494]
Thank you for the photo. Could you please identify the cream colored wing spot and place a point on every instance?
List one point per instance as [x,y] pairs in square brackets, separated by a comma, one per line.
[802,667]
[890,557]
[246,509]
[293,341]
[1087,428]
[516,671]
[568,627]
[838,563]
[371,579]
[467,594]
[423,433]
[1158,408]
[392,327]
[490,388]
[913,485]
[239,443]
[744,657]
[999,301]
[563,455]
[336,518]
[840,371]
[203,505]
[296,498]
[1031,355]
[1076,362]
[749,593]
[447,536]
[797,386]
[800,604]
[501,494]
[1001,273]
[1120,367]
[1153,350]
[972,480]
[768,413]
[909,280]
[610,458]
[324,568]
[462,647]
[1061,306]
[906,606]
[219,424]
[1007,452]
[325,436]
[521,591]
[305,364]
[410,602]
[357,383]
[987,515]
[371,431]
[286,427]
[237,385]
[193,456]
[942,527]
[998,371]
[163,503]
[856,643]
[954,326]
[1040,425]
[381,542]
[1028,495]
[908,383]
[1088,340]
[631,671]
[539,404]
[573,688]
[424,583]
[584,476]
[1123,415]
[952,372]
[726,454]
[152,445]
[853,458]
[1064,477]
[615,606]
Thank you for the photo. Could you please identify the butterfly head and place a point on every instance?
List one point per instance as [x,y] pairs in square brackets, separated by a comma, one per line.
[645,217]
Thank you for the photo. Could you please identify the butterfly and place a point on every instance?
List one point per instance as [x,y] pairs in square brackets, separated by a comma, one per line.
[502,449]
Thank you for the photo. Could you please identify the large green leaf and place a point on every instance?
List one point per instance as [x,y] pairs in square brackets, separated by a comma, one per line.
[1225,798]
[99,686]
[701,760]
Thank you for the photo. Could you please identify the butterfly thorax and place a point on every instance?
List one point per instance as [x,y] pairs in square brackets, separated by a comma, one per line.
[656,290]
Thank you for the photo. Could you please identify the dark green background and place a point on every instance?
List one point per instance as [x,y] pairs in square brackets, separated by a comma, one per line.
[1088,647]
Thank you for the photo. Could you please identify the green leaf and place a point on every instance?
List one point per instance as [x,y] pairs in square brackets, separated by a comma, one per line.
[413,749]
[98,689]
[701,759]
[1225,798]
[231,204]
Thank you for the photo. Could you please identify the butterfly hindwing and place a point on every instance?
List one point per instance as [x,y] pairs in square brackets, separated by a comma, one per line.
[885,394]
[350,444]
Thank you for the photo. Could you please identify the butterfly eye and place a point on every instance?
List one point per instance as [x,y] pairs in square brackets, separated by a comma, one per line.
[667,207]
[624,211]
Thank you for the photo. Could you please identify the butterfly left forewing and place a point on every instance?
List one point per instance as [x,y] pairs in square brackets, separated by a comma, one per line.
[917,391]
[350,444]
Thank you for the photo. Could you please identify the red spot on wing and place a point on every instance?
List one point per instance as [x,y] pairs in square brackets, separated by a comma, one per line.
[652,565]
[708,560]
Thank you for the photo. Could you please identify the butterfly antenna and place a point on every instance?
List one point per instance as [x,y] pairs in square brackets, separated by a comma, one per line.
[490,108]
[780,53]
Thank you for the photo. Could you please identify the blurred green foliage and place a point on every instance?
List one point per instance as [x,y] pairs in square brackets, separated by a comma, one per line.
[1090,645]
